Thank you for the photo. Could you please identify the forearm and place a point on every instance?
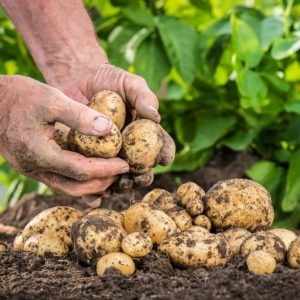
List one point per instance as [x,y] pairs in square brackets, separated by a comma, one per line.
[59,35]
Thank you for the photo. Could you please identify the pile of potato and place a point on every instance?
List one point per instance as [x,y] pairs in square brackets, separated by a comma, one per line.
[194,228]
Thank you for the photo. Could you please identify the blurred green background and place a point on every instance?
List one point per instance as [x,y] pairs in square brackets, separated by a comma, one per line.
[227,72]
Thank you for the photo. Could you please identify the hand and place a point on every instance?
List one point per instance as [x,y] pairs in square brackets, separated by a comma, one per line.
[28,110]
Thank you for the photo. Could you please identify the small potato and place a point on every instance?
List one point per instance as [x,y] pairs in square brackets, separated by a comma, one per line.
[117,217]
[56,221]
[60,135]
[235,237]
[144,180]
[137,244]
[265,241]
[260,262]
[95,236]
[203,221]
[18,243]
[189,190]
[117,260]
[142,143]
[2,247]
[195,230]
[181,218]
[287,236]
[110,104]
[239,203]
[293,255]
[194,206]
[40,244]
[160,198]
[143,217]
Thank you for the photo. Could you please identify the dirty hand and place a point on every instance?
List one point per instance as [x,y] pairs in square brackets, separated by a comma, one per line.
[28,111]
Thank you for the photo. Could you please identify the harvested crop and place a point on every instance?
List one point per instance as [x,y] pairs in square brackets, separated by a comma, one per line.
[293,255]
[203,221]
[235,237]
[260,262]
[117,217]
[287,236]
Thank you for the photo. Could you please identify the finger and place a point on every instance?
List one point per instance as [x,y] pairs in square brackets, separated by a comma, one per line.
[144,179]
[169,149]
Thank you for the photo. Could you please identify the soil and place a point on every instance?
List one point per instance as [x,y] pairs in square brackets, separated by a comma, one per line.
[26,276]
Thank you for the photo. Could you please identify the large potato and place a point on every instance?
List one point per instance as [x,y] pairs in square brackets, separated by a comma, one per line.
[18,243]
[95,236]
[235,237]
[260,262]
[144,217]
[240,203]
[116,216]
[293,256]
[160,198]
[142,143]
[55,221]
[287,236]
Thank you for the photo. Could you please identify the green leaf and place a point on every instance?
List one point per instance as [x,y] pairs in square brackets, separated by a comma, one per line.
[241,139]
[152,63]
[180,42]
[276,82]
[141,17]
[210,130]
[293,106]
[283,48]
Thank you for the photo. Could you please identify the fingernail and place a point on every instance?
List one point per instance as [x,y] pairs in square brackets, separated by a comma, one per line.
[154,112]
[101,123]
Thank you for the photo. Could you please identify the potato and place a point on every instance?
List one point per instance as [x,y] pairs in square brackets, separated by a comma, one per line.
[2,247]
[55,221]
[60,135]
[196,249]
[203,221]
[287,236]
[95,236]
[189,190]
[18,243]
[144,217]
[137,244]
[260,262]
[143,180]
[117,217]
[194,206]
[293,255]
[142,143]
[197,230]
[265,241]
[181,218]
[160,198]
[119,261]
[235,237]
[239,203]
[42,243]
[110,104]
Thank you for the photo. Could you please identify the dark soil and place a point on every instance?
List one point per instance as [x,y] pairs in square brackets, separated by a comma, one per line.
[26,276]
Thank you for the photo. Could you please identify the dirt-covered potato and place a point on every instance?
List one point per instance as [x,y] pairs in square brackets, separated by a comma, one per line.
[197,230]
[118,261]
[260,262]
[2,247]
[287,236]
[239,203]
[56,221]
[203,221]
[41,244]
[293,255]
[142,143]
[235,237]
[18,243]
[266,241]
[110,104]
[189,190]
[144,217]
[137,244]
[95,236]
[143,180]
[196,249]
[60,135]
[181,218]
[116,216]
[194,206]
[160,198]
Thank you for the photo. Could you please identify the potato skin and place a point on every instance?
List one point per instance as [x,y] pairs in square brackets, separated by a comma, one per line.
[110,104]
[18,243]
[203,221]
[137,244]
[116,216]
[189,190]
[143,217]
[181,218]
[2,247]
[293,255]
[266,241]
[287,236]
[240,203]
[260,262]
[160,198]
[235,237]
[56,221]
[142,143]
[194,206]
[117,260]
[60,135]
[95,236]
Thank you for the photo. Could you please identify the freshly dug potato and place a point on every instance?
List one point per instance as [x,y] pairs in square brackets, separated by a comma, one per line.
[265,241]
[60,135]
[260,262]
[203,221]
[55,221]
[137,244]
[143,180]
[287,236]
[194,206]
[142,143]
[95,236]
[110,104]
[144,217]
[181,218]
[2,247]
[197,230]
[190,249]
[18,243]
[239,203]
[235,237]
[160,198]
[40,244]
[117,260]
[189,190]
[117,217]
[293,255]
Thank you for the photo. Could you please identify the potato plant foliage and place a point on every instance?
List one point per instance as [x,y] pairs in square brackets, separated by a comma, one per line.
[227,73]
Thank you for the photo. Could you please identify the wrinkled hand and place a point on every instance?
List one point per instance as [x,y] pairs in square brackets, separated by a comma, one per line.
[28,110]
